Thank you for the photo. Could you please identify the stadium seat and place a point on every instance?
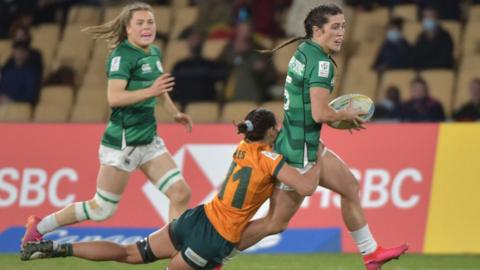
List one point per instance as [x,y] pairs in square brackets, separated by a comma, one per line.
[95,77]
[474,13]
[462,93]
[54,105]
[176,50]
[368,30]
[161,45]
[400,78]
[471,43]
[203,111]
[236,110]
[45,38]
[163,18]
[359,77]
[5,51]
[411,31]
[15,112]
[78,58]
[161,114]
[94,96]
[282,57]
[50,114]
[454,29]
[276,107]
[212,48]
[407,12]
[84,15]
[88,114]
[184,17]
[440,83]
[56,96]
[111,12]
[340,70]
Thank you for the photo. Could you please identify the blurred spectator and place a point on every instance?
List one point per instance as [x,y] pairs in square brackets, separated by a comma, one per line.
[196,76]
[391,106]
[22,34]
[251,73]
[434,46]
[447,9]
[21,78]
[266,17]
[215,18]
[395,52]
[421,107]
[297,13]
[12,11]
[470,111]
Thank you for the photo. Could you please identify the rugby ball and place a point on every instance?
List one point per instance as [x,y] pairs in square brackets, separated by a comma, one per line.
[358,101]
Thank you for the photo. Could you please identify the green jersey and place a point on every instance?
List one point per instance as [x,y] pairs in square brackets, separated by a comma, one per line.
[299,138]
[133,124]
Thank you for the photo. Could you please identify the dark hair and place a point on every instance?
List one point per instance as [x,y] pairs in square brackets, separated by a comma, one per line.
[256,124]
[396,22]
[318,16]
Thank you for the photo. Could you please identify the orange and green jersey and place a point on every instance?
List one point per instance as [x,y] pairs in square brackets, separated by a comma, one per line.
[248,184]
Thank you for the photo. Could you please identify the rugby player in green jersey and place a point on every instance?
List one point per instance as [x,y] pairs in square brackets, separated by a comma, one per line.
[309,83]
[136,80]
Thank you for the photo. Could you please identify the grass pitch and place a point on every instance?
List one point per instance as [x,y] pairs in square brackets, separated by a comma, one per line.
[263,262]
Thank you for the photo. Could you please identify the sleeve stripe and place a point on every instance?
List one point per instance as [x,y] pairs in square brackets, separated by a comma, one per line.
[279,166]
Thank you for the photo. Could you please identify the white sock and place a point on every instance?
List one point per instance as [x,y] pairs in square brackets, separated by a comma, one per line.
[364,240]
[48,224]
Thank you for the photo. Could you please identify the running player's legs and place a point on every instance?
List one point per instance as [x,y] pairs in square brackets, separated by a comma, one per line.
[111,183]
[165,175]
[283,206]
[337,177]
[161,244]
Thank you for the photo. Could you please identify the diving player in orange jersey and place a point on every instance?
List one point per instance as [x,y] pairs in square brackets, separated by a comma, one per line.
[205,236]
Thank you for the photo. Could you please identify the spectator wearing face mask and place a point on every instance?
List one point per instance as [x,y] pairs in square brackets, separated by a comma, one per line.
[395,52]
[434,46]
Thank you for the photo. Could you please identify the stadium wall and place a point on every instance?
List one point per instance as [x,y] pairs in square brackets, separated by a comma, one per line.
[419,185]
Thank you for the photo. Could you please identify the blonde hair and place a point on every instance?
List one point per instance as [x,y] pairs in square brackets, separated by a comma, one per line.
[115,31]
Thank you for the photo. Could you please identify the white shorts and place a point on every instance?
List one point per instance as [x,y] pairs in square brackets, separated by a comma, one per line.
[132,157]
[304,170]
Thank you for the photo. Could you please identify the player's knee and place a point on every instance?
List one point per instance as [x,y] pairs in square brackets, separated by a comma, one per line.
[352,188]
[100,209]
[132,255]
[179,194]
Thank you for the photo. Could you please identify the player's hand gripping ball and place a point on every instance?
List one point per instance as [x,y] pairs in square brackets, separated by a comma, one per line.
[356,101]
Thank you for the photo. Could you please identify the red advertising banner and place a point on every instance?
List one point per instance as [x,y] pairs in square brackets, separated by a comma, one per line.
[45,167]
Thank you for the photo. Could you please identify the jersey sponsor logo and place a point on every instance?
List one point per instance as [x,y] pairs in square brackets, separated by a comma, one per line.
[296,66]
[323,69]
[115,65]
[159,66]
[146,68]
[195,258]
[271,155]
[288,79]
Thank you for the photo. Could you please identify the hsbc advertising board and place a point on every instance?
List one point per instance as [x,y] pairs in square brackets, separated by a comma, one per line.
[43,168]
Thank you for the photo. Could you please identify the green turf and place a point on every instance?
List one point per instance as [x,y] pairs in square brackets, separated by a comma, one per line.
[265,262]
